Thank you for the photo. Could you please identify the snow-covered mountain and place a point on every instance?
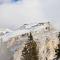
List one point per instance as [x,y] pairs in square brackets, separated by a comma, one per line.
[44,34]
[4,31]
[33,25]
[7,33]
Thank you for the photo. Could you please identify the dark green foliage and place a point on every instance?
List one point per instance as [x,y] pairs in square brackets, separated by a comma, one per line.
[58,50]
[30,52]
[30,37]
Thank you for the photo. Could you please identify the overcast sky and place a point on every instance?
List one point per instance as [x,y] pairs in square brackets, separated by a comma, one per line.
[13,13]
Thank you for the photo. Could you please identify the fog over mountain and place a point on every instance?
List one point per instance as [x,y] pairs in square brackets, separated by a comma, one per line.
[13,13]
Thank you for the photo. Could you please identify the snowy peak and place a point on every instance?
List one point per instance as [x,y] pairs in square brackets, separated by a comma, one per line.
[32,25]
[26,28]
[4,31]
[37,26]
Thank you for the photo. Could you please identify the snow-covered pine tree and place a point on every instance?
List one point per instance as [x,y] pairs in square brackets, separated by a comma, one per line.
[30,50]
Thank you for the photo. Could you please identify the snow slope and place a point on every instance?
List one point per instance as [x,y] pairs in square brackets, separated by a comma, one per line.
[25,29]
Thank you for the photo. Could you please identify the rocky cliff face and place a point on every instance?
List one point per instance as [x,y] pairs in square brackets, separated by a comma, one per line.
[45,36]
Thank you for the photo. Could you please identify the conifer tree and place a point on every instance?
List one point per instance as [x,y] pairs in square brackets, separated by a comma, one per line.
[30,52]
[58,50]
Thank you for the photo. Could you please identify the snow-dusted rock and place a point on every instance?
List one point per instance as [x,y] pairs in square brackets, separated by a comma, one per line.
[45,35]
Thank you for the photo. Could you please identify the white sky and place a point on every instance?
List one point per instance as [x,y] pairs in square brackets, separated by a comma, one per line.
[28,11]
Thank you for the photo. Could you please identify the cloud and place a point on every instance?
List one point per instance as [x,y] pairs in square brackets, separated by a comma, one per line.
[16,14]
[8,1]
[28,11]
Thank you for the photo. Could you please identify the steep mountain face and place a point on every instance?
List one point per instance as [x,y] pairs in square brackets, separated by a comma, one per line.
[44,34]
